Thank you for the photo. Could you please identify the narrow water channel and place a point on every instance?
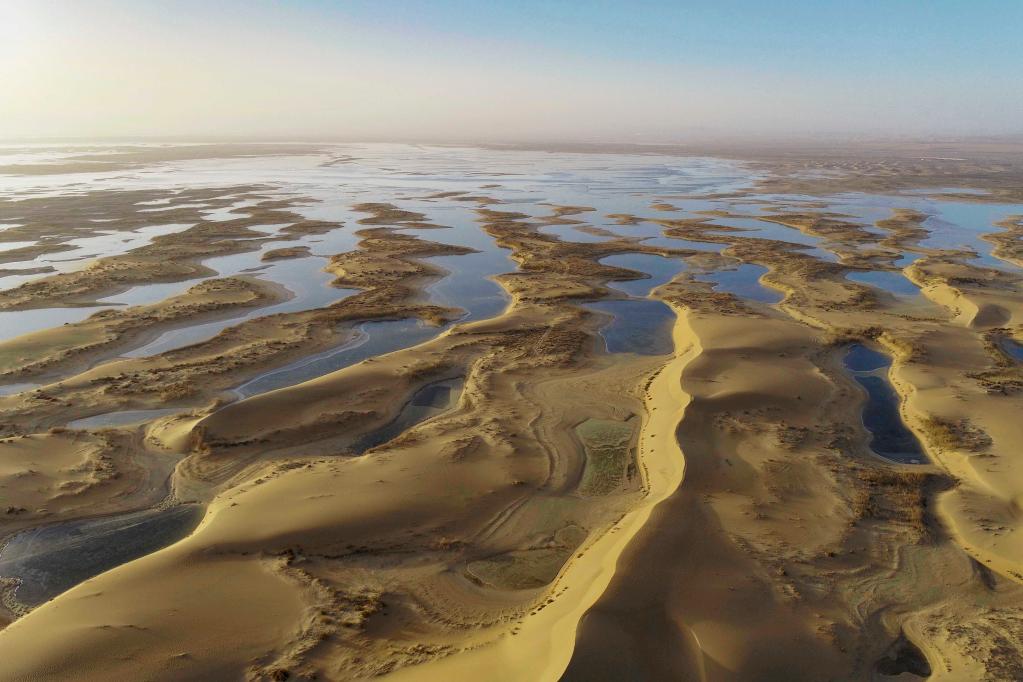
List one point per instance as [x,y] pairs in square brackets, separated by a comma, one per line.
[890,438]
[894,283]
[637,324]
[52,559]
[744,282]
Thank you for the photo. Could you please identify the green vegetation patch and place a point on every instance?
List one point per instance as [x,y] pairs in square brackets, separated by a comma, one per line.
[608,455]
[527,569]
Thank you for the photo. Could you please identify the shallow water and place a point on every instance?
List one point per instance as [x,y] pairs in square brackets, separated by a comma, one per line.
[641,326]
[763,229]
[961,224]
[124,418]
[87,249]
[677,243]
[309,284]
[11,389]
[15,323]
[376,338]
[860,358]
[744,282]
[427,402]
[893,282]
[52,559]
[1012,348]
[571,233]
[468,284]
[952,224]
[660,269]
[889,436]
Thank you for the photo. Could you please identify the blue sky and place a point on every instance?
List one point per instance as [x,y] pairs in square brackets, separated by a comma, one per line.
[587,70]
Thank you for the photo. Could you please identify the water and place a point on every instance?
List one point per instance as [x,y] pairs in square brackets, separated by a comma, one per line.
[52,559]
[85,249]
[571,233]
[640,326]
[124,418]
[15,323]
[1012,348]
[763,229]
[310,286]
[660,269]
[860,358]
[893,282]
[961,224]
[468,284]
[11,389]
[427,402]
[375,338]
[678,243]
[304,277]
[889,436]
[952,224]
[609,182]
[744,282]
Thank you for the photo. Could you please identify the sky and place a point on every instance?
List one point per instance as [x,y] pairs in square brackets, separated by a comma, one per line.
[454,70]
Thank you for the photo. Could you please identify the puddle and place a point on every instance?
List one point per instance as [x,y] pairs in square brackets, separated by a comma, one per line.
[11,389]
[427,402]
[893,282]
[952,224]
[18,322]
[468,284]
[744,282]
[660,269]
[52,559]
[678,243]
[1012,348]
[124,418]
[376,338]
[889,436]
[570,233]
[303,277]
[640,326]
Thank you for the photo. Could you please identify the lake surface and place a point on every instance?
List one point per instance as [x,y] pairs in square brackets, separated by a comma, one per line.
[374,338]
[641,326]
[744,282]
[890,438]
[1012,348]
[124,418]
[893,282]
[52,559]
[660,269]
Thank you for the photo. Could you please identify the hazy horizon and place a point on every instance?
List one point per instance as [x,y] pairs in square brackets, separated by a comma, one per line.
[647,72]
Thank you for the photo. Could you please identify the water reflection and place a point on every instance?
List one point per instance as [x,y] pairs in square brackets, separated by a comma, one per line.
[744,282]
[889,436]
[53,559]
